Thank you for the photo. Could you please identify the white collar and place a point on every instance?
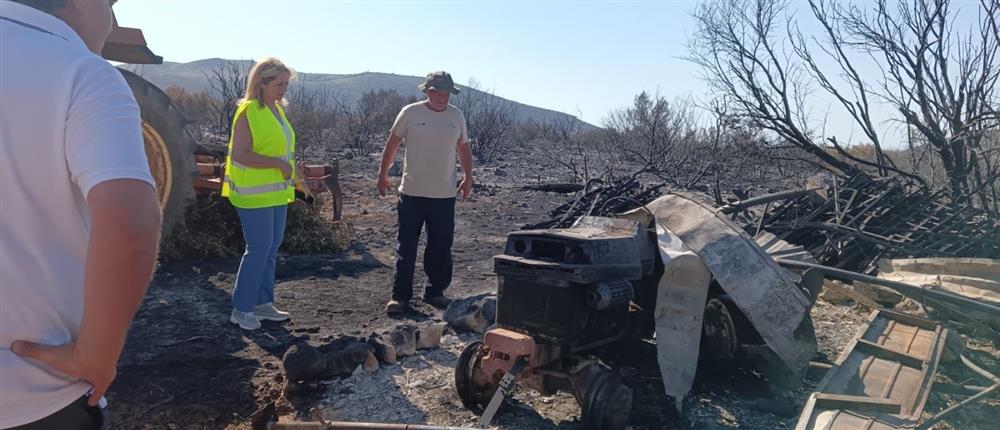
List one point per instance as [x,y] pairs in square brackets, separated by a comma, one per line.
[40,21]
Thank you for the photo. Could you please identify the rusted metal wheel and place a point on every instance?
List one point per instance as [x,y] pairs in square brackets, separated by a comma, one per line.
[606,402]
[719,339]
[169,150]
[474,396]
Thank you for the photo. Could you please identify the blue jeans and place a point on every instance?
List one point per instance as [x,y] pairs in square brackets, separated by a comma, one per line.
[439,217]
[263,230]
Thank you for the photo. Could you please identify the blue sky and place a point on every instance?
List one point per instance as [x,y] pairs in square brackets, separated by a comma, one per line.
[582,58]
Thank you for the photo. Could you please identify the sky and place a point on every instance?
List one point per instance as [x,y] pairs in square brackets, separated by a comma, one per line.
[584,58]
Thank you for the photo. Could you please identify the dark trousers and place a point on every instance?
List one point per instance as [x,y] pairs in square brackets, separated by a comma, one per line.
[439,217]
[77,416]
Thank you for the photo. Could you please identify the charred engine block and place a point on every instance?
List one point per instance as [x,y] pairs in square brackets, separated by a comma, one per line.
[572,287]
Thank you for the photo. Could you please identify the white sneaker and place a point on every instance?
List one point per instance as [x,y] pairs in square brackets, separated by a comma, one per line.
[268,312]
[246,320]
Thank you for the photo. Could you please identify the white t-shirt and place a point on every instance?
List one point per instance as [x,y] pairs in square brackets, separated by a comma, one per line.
[67,123]
[431,140]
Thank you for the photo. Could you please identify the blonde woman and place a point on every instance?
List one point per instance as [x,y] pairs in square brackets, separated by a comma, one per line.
[259,183]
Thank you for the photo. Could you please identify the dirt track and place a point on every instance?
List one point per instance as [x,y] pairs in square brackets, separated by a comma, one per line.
[186,367]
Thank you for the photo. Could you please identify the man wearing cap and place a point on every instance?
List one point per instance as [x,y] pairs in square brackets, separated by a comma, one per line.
[433,132]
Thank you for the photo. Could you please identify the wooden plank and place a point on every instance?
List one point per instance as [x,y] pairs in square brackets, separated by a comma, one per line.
[881,351]
[857,403]
[907,319]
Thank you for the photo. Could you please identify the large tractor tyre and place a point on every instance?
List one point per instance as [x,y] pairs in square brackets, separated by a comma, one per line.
[169,150]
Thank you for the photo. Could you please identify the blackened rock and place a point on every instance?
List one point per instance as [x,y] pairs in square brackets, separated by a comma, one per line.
[385,352]
[475,314]
[342,362]
[404,339]
[429,337]
[302,362]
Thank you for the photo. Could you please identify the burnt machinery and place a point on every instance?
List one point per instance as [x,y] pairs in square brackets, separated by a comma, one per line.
[676,267]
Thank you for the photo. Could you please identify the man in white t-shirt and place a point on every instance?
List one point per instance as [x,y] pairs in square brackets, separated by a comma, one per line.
[433,132]
[79,219]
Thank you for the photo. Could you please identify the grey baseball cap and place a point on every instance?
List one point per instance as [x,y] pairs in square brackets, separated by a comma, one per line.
[440,81]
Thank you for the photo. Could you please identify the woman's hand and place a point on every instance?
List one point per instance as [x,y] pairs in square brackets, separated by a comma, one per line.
[285,167]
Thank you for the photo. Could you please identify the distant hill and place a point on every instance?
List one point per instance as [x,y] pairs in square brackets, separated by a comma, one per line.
[192,76]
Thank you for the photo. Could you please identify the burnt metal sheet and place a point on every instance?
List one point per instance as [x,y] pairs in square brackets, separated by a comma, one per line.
[760,288]
[680,306]
[882,379]
[681,293]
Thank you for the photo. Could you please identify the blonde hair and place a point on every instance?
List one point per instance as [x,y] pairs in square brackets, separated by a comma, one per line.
[262,73]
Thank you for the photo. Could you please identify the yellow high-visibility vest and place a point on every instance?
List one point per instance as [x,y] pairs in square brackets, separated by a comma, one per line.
[250,187]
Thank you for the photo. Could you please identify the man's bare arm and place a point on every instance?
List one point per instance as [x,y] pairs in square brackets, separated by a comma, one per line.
[465,159]
[125,229]
[388,156]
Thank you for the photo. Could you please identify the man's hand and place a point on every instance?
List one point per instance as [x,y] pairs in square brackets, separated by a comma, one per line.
[382,184]
[388,154]
[95,367]
[125,227]
[465,159]
[465,188]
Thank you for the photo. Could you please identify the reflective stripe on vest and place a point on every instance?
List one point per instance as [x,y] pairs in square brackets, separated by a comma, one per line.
[260,189]
[244,166]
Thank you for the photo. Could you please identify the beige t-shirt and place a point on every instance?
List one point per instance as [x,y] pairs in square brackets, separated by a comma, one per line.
[431,140]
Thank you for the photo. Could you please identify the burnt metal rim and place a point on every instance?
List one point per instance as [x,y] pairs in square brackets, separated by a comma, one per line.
[720,330]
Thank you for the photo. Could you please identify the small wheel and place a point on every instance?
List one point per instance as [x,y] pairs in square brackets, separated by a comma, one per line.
[474,397]
[719,338]
[607,402]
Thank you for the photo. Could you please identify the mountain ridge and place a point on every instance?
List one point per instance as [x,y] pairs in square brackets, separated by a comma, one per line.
[193,76]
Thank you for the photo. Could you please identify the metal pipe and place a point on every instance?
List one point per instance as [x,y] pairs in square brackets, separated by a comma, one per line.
[906,289]
[943,387]
[599,343]
[941,415]
[982,372]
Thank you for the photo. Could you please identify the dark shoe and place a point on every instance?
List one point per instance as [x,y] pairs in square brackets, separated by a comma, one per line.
[395,307]
[439,302]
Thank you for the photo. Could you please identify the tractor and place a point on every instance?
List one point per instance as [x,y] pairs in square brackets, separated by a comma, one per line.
[676,272]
